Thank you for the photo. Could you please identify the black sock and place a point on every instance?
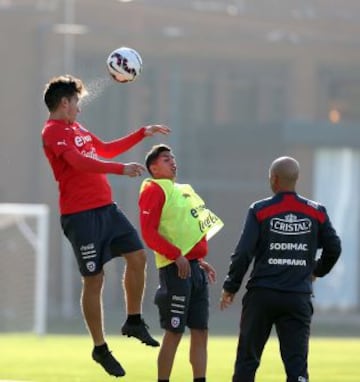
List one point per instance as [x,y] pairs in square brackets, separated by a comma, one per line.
[101,349]
[163,380]
[200,379]
[133,319]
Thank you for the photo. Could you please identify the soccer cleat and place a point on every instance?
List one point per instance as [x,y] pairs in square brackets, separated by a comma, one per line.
[109,363]
[140,331]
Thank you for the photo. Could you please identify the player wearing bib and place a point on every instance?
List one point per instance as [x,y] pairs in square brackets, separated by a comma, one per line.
[96,228]
[176,224]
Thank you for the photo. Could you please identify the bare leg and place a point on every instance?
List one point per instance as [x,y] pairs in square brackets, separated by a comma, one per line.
[167,353]
[198,352]
[91,304]
[134,280]
[134,284]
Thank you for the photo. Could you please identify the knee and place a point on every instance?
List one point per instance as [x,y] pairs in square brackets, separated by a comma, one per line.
[93,283]
[199,336]
[136,260]
[198,346]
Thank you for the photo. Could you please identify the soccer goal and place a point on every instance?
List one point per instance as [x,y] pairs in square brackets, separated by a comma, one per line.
[23,267]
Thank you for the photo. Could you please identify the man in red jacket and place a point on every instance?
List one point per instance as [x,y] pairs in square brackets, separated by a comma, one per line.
[176,225]
[95,226]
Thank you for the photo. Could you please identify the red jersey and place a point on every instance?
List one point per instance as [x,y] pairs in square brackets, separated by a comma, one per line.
[83,185]
[151,203]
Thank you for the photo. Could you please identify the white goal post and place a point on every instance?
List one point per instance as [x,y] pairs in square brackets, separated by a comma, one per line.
[24,232]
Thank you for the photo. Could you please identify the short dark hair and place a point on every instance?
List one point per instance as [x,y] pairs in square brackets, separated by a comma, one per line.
[62,86]
[154,153]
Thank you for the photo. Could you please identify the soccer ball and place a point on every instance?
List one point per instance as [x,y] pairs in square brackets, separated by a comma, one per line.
[124,64]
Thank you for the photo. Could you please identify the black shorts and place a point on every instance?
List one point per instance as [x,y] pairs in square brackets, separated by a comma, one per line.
[183,302]
[98,235]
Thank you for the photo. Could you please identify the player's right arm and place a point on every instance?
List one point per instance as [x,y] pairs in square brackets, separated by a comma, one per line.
[240,260]
[151,203]
[86,164]
[58,142]
[243,254]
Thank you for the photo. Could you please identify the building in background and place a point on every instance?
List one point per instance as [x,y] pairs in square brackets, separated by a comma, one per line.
[239,82]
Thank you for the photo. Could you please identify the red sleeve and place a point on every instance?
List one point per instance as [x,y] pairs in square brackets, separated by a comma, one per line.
[118,146]
[58,138]
[151,202]
[86,164]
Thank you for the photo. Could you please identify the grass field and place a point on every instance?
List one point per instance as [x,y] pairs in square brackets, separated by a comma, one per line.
[60,358]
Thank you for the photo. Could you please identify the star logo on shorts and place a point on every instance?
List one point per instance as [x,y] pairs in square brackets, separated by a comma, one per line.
[175,322]
[186,195]
[91,266]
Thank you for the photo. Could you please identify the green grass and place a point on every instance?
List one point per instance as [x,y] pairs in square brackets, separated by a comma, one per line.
[60,358]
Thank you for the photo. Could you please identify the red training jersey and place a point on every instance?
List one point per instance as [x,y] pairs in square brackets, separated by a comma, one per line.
[151,203]
[73,153]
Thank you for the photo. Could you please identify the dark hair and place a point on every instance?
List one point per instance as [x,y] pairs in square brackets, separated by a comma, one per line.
[154,153]
[62,86]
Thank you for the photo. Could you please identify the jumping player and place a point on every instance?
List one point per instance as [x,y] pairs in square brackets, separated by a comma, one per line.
[93,223]
[282,235]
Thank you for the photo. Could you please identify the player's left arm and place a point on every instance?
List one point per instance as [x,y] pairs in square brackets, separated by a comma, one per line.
[151,130]
[209,269]
[330,243]
[116,147]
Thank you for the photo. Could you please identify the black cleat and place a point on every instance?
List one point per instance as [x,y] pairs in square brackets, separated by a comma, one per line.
[140,331]
[109,363]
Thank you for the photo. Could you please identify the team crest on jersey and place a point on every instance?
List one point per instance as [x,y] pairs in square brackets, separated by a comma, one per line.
[290,225]
[175,322]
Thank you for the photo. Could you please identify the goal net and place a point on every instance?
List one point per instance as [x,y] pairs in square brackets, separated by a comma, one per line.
[23,267]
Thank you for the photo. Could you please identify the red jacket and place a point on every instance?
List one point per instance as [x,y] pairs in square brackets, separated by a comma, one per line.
[151,202]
